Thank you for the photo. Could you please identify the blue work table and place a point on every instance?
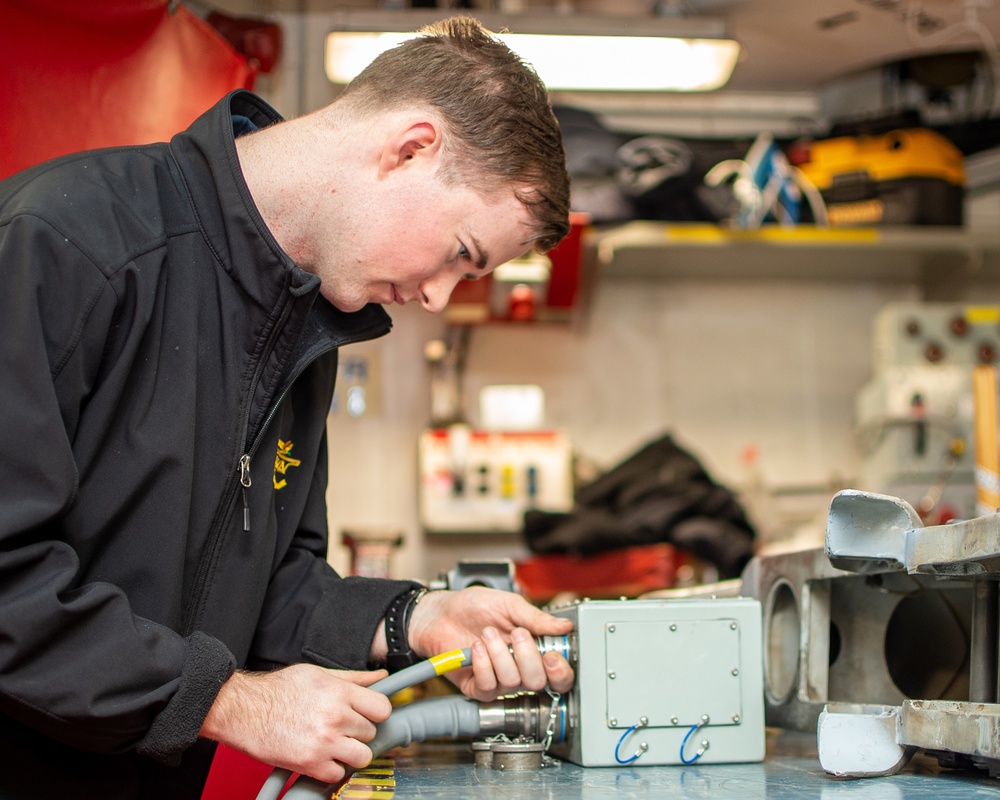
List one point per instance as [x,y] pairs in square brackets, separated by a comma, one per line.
[445,771]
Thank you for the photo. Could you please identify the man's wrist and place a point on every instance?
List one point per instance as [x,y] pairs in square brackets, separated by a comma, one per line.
[225,707]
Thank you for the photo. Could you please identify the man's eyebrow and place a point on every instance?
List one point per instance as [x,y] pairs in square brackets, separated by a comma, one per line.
[482,258]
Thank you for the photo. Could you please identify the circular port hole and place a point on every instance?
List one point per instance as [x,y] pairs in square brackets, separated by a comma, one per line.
[781,637]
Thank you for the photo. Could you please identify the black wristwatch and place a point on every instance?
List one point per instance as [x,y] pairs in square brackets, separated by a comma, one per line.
[397,630]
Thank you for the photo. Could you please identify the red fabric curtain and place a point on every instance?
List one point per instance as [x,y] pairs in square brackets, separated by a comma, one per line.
[80,74]
[76,75]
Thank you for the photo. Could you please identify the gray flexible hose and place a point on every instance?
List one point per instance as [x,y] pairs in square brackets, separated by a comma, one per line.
[275,782]
[449,717]
[422,671]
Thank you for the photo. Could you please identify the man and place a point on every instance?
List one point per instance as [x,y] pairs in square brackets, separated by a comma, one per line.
[170,321]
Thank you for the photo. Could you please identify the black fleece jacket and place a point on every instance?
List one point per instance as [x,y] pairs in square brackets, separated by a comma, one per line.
[165,376]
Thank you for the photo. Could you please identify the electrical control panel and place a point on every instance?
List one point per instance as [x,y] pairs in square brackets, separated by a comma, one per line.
[483,481]
[908,334]
[914,419]
[915,424]
[659,681]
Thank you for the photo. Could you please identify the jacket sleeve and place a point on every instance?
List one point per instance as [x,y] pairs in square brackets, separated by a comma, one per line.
[76,664]
[313,614]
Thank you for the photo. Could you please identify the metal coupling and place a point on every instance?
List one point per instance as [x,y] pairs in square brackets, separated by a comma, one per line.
[521,715]
[564,645]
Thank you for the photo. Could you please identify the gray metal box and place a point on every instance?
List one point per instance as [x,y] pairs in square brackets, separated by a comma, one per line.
[665,682]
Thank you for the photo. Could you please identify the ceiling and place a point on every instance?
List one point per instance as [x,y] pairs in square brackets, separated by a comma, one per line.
[787,45]
[796,45]
[798,58]
[800,45]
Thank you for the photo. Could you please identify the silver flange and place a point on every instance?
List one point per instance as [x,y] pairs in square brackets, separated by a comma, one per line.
[517,756]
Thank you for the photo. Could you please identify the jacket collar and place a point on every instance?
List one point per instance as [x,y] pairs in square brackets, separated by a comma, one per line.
[233,227]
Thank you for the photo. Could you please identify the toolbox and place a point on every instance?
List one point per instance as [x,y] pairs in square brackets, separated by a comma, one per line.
[911,176]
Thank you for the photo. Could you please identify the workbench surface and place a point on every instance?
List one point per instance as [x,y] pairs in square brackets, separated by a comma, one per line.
[445,771]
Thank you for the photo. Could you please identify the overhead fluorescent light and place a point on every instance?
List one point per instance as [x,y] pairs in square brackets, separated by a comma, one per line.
[569,52]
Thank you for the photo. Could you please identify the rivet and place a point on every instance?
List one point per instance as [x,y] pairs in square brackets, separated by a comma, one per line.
[674,720]
[643,720]
[611,628]
[733,626]
[735,671]
[613,723]
[611,675]
[736,717]
[673,627]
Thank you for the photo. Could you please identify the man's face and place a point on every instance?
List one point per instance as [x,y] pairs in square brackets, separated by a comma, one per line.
[421,239]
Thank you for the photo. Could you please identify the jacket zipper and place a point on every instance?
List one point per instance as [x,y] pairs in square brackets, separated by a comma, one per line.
[194,608]
[243,469]
[245,482]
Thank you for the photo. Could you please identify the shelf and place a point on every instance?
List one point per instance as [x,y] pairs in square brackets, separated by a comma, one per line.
[943,258]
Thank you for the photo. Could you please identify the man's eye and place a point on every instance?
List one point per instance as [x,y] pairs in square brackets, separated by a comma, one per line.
[463,251]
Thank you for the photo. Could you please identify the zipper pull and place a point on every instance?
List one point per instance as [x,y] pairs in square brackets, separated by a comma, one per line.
[245,483]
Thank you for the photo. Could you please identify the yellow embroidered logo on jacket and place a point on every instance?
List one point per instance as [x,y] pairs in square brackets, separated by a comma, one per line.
[282,462]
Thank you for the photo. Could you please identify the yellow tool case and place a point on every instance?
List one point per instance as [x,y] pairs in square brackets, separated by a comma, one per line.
[911,176]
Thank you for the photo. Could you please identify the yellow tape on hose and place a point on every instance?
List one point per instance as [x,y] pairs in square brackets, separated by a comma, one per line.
[446,662]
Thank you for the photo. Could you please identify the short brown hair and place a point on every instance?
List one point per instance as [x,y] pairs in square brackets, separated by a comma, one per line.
[493,104]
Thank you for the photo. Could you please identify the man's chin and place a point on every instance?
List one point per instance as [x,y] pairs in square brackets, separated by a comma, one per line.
[346,305]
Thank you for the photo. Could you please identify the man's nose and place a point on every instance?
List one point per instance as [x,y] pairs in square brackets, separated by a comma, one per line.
[435,292]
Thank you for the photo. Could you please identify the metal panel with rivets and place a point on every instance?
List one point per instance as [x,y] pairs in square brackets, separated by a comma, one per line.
[665,682]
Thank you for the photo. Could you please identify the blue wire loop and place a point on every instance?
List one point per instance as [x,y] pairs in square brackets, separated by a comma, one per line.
[704,743]
[643,747]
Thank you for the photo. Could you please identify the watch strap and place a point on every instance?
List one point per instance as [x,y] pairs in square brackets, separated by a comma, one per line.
[399,654]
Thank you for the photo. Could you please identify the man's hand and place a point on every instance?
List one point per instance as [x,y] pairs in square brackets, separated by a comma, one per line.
[304,718]
[486,620]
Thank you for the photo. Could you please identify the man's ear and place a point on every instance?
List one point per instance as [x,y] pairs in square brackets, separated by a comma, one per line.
[416,140]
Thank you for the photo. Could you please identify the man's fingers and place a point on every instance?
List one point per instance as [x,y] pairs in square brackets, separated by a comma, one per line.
[351,725]
[326,771]
[540,623]
[332,766]
[484,680]
[558,672]
[361,678]
[352,753]
[508,677]
[372,706]
[528,659]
